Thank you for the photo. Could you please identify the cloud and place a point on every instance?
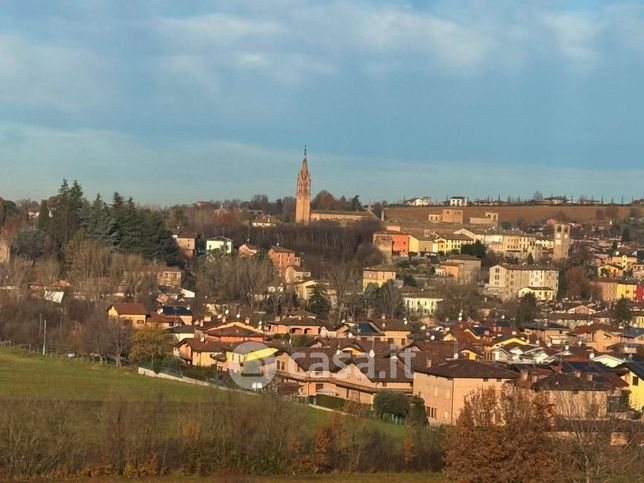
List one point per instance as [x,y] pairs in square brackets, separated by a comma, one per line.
[40,75]
[576,36]
[216,29]
[107,161]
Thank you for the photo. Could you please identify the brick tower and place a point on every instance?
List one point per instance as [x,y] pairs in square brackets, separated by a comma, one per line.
[562,241]
[303,194]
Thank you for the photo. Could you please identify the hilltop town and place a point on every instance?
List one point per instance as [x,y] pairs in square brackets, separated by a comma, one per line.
[384,307]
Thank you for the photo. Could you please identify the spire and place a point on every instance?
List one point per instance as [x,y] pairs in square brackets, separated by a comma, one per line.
[304,170]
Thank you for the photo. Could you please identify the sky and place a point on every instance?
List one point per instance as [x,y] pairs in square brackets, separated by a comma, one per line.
[179,101]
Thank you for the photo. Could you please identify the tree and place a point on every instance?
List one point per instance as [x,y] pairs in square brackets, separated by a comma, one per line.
[149,345]
[503,437]
[622,313]
[530,259]
[345,280]
[626,234]
[29,244]
[390,300]
[391,403]
[527,309]
[42,222]
[318,302]
[577,283]
[476,249]
[457,299]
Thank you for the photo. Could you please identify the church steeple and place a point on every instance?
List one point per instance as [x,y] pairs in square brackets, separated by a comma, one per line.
[303,193]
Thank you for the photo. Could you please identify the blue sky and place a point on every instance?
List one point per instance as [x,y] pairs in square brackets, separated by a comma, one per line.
[178,101]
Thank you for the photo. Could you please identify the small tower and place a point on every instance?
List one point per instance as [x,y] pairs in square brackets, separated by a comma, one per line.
[303,194]
[562,241]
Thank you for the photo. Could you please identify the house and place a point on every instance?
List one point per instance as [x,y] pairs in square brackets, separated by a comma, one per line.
[298,324]
[542,294]
[468,268]
[610,270]
[395,331]
[201,352]
[305,288]
[169,276]
[294,273]
[247,250]
[507,280]
[234,332]
[572,396]
[219,244]
[283,257]
[596,336]
[134,313]
[424,201]
[458,201]
[547,332]
[444,386]
[633,374]
[378,275]
[392,241]
[420,302]
[364,376]
[611,289]
[178,311]
[187,244]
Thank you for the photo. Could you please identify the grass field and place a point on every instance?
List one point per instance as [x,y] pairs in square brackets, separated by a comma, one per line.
[28,375]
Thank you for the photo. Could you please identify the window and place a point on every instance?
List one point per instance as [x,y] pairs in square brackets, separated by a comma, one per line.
[431,413]
[636,381]
[319,387]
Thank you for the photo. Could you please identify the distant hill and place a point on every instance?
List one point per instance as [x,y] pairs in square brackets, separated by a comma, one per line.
[513,214]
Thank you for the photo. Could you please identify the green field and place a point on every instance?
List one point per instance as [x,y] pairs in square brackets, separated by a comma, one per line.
[32,376]
[26,375]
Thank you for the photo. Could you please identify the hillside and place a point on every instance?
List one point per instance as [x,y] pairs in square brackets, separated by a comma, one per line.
[529,214]
[25,375]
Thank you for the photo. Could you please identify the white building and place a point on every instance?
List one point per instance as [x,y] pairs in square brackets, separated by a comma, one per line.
[424,201]
[458,201]
[506,281]
[223,244]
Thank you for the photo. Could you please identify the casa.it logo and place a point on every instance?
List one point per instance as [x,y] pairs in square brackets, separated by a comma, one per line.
[252,365]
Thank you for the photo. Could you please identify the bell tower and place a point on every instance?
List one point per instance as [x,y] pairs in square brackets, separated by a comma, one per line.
[303,194]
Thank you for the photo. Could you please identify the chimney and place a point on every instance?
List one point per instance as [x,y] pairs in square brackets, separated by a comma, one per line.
[534,378]
[589,377]
[428,363]
[524,375]
[247,320]
[577,373]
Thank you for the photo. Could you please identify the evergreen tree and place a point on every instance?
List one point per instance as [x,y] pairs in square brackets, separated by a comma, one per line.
[319,302]
[43,217]
[622,312]
[527,309]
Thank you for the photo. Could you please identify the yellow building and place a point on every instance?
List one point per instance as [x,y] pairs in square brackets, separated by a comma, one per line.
[378,274]
[633,374]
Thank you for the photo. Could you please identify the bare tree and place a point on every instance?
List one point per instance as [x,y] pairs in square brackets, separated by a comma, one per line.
[345,280]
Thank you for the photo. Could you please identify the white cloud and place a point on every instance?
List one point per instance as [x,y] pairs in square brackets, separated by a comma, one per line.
[47,76]
[575,36]
[215,30]
[107,161]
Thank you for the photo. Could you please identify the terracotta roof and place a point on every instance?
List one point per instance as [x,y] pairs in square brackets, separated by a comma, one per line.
[130,309]
[466,369]
[568,382]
